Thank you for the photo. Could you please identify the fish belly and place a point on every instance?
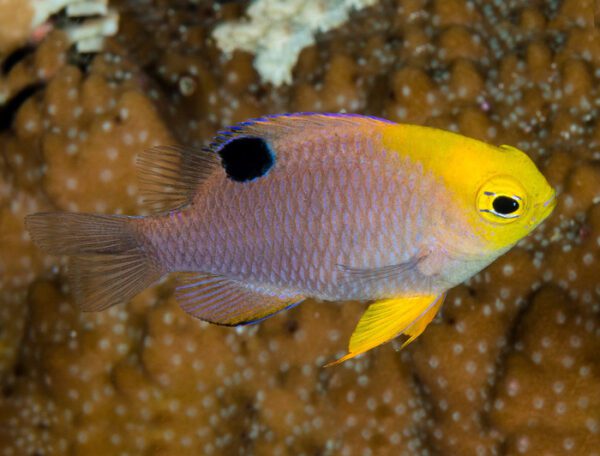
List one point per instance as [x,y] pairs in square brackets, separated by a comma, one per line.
[294,230]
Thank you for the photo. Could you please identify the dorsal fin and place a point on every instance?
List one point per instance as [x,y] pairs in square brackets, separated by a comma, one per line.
[275,126]
[170,175]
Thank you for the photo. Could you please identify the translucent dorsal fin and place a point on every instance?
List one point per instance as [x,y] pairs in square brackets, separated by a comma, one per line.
[170,175]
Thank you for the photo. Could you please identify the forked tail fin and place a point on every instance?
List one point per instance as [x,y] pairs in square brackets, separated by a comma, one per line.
[108,263]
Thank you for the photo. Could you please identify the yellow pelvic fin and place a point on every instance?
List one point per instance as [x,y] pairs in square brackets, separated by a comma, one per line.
[386,319]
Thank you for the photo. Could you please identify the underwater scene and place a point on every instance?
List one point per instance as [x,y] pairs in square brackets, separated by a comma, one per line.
[378,287]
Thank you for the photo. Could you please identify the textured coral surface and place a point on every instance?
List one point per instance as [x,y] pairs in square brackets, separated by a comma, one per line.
[510,367]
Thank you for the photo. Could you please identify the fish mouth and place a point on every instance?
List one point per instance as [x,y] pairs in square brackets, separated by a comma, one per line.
[549,205]
[546,207]
[543,210]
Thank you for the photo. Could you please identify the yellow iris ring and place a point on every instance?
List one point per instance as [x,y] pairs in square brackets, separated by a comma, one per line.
[496,187]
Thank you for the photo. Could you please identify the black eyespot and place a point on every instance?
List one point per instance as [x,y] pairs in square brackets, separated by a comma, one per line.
[505,205]
[246,158]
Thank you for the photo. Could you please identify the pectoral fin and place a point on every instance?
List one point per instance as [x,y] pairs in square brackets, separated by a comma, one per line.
[386,319]
[381,273]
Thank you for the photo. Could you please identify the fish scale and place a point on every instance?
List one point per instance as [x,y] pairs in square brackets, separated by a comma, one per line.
[321,226]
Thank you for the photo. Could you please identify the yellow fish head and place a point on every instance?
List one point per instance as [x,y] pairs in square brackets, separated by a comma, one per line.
[498,191]
[509,196]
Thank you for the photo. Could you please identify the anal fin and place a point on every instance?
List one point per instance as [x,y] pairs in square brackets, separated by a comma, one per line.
[388,318]
[223,301]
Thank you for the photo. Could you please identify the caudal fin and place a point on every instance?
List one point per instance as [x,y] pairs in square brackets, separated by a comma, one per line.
[108,263]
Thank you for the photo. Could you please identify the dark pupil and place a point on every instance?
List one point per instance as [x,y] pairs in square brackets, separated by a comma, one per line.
[505,205]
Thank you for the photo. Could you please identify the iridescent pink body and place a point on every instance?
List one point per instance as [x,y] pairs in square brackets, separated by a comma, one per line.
[328,206]
[336,199]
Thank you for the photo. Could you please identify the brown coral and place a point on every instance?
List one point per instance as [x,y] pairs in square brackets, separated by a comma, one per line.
[510,367]
[15,28]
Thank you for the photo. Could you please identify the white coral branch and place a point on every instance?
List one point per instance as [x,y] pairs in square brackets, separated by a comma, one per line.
[276,31]
[87,36]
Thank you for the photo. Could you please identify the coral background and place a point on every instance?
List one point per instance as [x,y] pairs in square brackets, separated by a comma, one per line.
[510,367]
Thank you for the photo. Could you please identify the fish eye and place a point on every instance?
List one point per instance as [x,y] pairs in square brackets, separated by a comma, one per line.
[505,205]
[501,200]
